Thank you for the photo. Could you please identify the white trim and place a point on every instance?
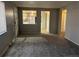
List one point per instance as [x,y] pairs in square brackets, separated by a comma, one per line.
[71,40]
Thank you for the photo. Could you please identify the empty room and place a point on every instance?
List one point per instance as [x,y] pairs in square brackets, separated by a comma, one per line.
[39,28]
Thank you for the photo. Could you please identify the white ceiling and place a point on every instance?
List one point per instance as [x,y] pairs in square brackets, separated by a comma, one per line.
[42,4]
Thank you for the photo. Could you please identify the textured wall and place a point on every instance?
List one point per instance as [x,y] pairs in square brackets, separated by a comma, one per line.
[72,25]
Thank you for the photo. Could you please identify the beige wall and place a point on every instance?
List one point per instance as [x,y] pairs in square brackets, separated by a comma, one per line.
[72,24]
[7,37]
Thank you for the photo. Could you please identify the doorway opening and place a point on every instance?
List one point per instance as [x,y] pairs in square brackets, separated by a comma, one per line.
[63,21]
[45,19]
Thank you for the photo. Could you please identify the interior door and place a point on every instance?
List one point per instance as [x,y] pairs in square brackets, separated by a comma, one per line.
[30,22]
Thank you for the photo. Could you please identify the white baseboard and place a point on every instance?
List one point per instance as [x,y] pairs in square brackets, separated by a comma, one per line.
[71,41]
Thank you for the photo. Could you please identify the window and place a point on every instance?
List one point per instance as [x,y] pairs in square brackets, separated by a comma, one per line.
[29,16]
[3,28]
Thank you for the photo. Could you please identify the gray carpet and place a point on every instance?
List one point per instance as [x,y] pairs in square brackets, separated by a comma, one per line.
[37,47]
